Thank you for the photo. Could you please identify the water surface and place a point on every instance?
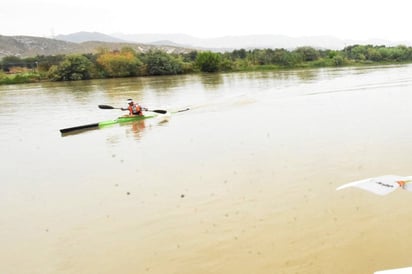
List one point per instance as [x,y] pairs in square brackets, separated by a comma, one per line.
[244,182]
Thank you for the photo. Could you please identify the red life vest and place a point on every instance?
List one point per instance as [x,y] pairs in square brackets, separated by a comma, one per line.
[135,109]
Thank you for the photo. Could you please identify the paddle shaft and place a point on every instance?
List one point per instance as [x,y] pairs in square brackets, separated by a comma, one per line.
[161,111]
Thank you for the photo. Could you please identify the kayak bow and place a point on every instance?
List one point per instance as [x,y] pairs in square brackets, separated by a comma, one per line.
[119,120]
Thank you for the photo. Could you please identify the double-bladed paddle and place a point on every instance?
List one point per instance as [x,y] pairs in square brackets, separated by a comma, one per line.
[161,111]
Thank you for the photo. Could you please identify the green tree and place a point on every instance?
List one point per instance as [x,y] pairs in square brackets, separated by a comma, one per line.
[307,53]
[399,53]
[160,63]
[45,62]
[11,61]
[262,57]
[356,52]
[226,64]
[374,54]
[239,54]
[189,57]
[208,61]
[72,68]
[338,60]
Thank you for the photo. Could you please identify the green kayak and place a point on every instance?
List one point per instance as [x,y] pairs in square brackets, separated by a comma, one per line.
[119,120]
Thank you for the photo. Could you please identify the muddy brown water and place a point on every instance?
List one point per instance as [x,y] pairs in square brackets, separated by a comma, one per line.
[244,182]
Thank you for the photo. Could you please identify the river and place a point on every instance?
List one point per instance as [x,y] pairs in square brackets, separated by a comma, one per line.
[244,182]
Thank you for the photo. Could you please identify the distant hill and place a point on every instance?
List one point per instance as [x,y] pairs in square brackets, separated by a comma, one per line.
[84,36]
[29,46]
[25,46]
[229,43]
[90,42]
[225,43]
[150,38]
[175,40]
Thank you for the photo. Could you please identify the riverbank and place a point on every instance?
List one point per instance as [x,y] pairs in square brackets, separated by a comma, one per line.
[35,77]
[126,62]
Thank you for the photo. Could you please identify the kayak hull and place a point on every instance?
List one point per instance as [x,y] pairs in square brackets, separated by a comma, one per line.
[119,120]
[125,119]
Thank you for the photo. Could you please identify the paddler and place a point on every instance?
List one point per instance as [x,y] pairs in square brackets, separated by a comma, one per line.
[134,108]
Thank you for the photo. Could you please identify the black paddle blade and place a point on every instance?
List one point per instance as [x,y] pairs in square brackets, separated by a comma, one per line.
[83,127]
[161,111]
[106,107]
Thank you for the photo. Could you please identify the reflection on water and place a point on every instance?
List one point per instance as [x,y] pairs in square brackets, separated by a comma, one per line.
[212,81]
[136,129]
[244,182]
[308,74]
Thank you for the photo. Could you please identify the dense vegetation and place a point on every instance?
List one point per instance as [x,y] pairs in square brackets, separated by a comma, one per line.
[128,63]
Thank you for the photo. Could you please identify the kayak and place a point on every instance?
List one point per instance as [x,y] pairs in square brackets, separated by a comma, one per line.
[119,120]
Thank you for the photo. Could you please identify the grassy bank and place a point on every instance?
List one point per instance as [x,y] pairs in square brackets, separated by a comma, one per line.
[19,78]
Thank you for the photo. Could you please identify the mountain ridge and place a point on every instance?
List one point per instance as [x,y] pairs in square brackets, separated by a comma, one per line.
[91,42]
[30,46]
[231,42]
[84,36]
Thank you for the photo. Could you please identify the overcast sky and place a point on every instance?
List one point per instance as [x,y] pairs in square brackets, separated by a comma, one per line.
[350,19]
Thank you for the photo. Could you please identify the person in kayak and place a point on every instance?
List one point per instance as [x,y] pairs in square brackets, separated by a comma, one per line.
[134,108]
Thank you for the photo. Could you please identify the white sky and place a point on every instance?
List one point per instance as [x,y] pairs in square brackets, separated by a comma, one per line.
[350,19]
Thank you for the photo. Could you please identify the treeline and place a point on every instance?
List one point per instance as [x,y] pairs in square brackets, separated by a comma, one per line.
[129,63]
